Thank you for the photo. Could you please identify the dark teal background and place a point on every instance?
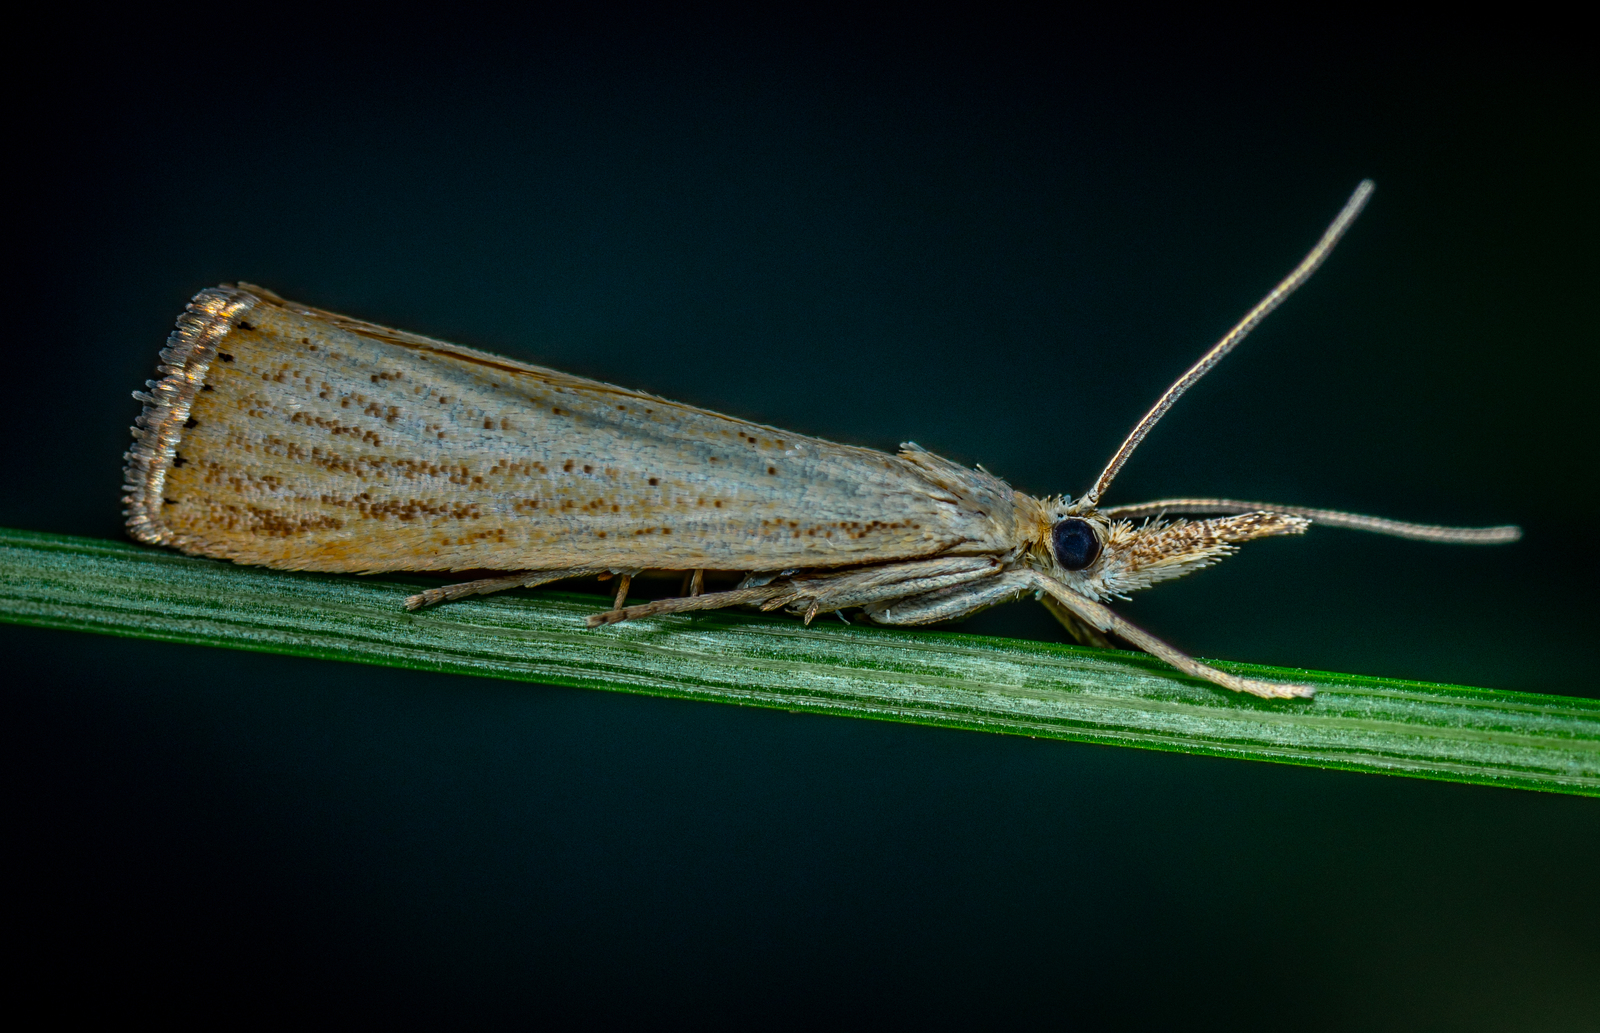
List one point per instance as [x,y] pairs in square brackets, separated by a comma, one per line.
[1000,241]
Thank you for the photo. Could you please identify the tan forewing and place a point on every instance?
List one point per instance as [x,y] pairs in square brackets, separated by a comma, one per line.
[317,442]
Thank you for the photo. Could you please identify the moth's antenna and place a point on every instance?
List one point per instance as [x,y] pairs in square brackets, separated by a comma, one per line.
[1274,298]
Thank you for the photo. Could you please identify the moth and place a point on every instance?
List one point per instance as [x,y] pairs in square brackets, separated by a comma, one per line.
[293,438]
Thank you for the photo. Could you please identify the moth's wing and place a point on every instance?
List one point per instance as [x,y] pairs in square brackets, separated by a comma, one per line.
[294,438]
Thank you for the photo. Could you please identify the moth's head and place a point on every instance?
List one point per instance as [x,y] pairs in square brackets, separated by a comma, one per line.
[1104,558]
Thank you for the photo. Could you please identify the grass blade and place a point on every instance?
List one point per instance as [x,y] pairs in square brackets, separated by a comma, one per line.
[963,681]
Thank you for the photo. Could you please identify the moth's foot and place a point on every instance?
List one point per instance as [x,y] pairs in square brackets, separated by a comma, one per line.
[428,598]
[1274,689]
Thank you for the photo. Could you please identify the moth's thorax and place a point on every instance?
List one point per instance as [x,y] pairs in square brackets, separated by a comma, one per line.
[1033,520]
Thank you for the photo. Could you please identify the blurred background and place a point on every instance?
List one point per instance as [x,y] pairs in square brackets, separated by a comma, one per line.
[1000,240]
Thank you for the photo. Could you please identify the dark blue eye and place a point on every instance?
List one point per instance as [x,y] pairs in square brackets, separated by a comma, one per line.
[1074,543]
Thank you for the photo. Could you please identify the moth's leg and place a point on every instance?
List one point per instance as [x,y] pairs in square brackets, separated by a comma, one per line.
[1102,618]
[820,593]
[709,601]
[826,593]
[951,602]
[495,584]
[693,583]
[623,583]
[1082,633]
[959,601]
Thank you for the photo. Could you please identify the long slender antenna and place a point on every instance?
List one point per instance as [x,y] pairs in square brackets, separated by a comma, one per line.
[1333,517]
[1274,298]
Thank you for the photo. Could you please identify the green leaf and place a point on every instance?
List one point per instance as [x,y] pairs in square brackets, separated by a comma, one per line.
[962,681]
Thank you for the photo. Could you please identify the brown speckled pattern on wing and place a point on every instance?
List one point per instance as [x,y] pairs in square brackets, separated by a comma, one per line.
[321,443]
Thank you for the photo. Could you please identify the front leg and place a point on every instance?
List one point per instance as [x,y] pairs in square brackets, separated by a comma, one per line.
[1103,619]
[961,600]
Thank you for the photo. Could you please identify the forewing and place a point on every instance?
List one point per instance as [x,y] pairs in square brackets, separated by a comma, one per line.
[299,439]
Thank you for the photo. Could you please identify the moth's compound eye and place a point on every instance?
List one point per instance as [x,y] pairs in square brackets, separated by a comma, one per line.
[1074,543]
